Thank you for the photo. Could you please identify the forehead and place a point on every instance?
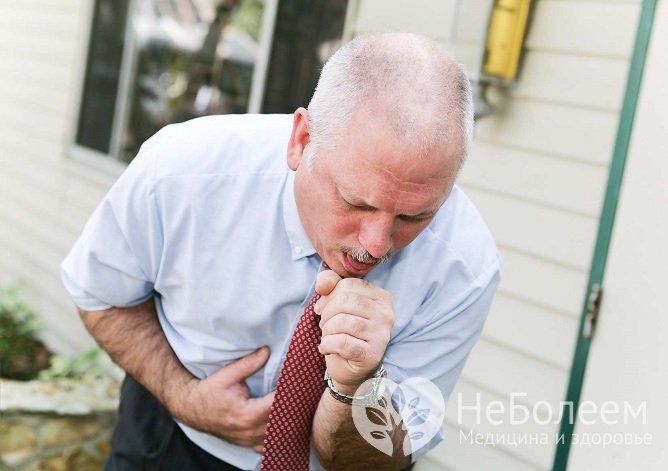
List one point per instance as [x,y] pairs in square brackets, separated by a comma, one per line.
[371,164]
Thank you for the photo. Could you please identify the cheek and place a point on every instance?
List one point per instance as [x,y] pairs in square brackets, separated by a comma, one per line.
[344,224]
[407,234]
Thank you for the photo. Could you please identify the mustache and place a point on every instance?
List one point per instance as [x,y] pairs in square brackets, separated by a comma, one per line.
[363,256]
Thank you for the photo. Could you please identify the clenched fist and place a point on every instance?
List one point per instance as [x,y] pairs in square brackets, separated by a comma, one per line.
[356,318]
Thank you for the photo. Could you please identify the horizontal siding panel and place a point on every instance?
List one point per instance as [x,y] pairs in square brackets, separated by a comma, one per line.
[48,178]
[559,183]
[49,6]
[505,372]
[17,67]
[537,331]
[458,454]
[569,79]
[53,242]
[548,233]
[38,96]
[432,17]
[49,209]
[49,48]
[35,124]
[18,144]
[581,134]
[528,455]
[49,22]
[581,27]
[40,162]
[543,283]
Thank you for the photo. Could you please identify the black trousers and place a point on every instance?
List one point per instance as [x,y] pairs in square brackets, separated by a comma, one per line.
[146,438]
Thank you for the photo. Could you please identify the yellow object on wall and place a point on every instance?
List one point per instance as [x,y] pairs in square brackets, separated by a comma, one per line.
[505,38]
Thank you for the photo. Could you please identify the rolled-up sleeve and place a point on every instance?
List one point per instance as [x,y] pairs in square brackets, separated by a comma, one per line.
[115,260]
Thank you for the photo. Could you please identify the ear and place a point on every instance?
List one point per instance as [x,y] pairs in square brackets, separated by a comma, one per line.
[299,139]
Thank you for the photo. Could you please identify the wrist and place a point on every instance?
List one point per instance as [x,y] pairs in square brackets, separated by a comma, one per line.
[181,399]
[367,393]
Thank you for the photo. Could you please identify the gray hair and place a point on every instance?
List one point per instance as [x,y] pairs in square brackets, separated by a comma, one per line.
[419,88]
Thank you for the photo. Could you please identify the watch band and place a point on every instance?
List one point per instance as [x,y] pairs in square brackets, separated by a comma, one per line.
[369,399]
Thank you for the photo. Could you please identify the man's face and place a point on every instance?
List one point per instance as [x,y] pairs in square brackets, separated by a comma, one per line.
[368,197]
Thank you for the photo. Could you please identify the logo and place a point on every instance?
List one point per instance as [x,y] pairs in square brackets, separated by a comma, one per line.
[416,407]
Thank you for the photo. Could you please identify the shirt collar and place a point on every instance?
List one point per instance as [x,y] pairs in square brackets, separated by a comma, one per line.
[300,244]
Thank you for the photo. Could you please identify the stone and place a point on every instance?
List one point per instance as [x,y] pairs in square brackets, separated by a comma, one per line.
[17,434]
[79,460]
[67,397]
[18,439]
[67,430]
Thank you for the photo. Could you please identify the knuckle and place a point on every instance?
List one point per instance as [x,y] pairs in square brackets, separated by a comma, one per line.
[365,283]
[346,283]
[356,326]
[363,303]
[354,350]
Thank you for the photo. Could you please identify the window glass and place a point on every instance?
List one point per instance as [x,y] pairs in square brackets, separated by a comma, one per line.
[307,33]
[103,70]
[193,58]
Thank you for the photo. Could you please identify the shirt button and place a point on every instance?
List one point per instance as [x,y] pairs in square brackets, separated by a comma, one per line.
[298,250]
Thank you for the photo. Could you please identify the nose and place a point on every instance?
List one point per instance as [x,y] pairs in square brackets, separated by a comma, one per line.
[375,234]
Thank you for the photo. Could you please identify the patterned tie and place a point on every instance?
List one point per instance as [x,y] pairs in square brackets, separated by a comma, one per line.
[300,386]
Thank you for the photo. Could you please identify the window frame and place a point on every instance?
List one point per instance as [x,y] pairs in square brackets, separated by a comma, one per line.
[110,163]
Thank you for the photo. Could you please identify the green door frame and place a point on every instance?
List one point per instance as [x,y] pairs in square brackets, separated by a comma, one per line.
[597,268]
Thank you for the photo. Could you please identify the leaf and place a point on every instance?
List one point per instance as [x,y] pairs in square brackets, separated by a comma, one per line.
[379,435]
[419,416]
[414,403]
[382,402]
[376,416]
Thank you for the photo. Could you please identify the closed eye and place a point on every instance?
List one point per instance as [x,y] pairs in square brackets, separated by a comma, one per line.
[361,207]
[418,218]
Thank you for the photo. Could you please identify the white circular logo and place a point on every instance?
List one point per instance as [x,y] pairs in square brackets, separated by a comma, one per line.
[415,406]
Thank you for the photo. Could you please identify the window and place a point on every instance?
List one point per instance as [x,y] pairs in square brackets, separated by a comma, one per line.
[155,62]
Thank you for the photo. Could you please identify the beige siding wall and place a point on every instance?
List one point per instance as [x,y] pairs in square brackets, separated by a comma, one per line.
[537,171]
[44,197]
[627,359]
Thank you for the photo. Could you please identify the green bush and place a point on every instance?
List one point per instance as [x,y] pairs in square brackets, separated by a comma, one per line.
[22,355]
[84,366]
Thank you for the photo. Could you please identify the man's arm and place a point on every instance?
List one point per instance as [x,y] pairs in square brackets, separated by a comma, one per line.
[341,447]
[356,320]
[220,404]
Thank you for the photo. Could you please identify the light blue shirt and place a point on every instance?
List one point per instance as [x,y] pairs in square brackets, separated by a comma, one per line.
[205,220]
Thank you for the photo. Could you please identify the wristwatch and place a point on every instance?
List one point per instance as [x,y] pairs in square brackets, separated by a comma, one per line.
[377,383]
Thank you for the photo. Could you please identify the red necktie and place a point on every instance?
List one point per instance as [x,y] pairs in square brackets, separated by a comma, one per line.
[300,386]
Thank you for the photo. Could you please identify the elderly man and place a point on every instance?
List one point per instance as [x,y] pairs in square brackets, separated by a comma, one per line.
[197,272]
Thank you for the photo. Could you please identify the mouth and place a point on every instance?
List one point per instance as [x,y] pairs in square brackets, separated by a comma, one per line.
[358,265]
[355,267]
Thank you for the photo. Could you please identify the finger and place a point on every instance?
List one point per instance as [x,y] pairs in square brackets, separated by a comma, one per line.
[349,324]
[345,302]
[346,346]
[326,282]
[262,405]
[242,368]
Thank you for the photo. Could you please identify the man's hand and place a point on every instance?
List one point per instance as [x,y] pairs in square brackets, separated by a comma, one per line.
[356,320]
[221,404]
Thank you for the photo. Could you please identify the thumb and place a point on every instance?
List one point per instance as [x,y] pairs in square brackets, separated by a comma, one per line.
[263,404]
[326,282]
[242,368]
